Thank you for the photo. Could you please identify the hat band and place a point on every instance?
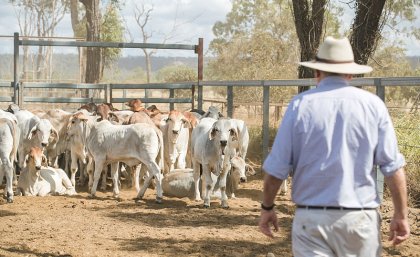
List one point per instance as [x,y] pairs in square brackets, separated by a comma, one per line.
[329,61]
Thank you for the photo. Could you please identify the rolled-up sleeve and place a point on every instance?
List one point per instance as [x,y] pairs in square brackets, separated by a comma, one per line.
[279,161]
[387,154]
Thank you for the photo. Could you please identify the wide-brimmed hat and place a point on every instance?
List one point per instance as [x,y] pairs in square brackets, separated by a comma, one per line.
[336,56]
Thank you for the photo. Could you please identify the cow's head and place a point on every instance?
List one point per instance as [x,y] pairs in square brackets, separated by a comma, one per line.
[176,121]
[222,131]
[43,130]
[35,159]
[135,105]
[76,123]
[238,168]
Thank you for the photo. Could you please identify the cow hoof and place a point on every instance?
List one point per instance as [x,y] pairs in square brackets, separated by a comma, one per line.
[137,200]
[9,200]
[206,206]
[225,207]
[92,196]
[158,200]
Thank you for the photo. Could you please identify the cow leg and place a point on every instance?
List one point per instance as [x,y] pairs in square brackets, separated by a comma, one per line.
[222,186]
[73,168]
[104,177]
[70,190]
[181,164]
[7,168]
[115,180]
[82,173]
[90,170]
[154,171]
[136,177]
[209,184]
[99,165]
[196,175]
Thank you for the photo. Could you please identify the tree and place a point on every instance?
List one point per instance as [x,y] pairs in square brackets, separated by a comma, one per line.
[93,33]
[43,17]
[309,22]
[257,40]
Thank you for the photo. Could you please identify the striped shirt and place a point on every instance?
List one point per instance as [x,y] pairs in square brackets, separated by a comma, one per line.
[329,141]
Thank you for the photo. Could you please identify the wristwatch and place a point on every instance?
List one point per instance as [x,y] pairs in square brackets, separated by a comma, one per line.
[267,208]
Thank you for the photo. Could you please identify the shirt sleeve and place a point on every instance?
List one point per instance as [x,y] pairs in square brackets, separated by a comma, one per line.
[387,154]
[279,161]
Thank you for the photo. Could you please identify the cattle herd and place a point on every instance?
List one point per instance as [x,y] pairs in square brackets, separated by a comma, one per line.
[190,153]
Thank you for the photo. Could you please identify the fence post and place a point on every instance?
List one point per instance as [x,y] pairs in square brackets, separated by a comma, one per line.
[171,96]
[199,50]
[16,91]
[199,95]
[230,101]
[380,91]
[266,119]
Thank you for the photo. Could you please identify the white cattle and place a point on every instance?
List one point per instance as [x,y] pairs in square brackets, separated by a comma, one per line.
[34,132]
[39,180]
[209,142]
[176,133]
[59,120]
[242,141]
[9,141]
[132,144]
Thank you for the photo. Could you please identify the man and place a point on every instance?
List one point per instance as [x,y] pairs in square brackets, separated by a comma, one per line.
[330,141]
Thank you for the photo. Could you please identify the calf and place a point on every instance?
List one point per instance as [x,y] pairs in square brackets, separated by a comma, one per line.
[38,180]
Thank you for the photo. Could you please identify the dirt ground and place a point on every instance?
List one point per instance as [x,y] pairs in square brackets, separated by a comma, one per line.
[80,226]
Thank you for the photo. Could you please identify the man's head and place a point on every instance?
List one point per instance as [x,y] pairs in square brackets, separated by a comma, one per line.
[335,57]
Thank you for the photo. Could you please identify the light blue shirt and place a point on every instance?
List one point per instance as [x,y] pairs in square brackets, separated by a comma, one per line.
[329,141]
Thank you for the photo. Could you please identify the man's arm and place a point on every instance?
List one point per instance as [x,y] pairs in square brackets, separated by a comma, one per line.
[268,217]
[399,228]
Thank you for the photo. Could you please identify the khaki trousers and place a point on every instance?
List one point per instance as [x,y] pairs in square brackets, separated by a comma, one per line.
[336,233]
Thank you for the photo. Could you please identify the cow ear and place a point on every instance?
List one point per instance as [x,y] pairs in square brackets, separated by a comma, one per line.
[249,170]
[27,159]
[44,161]
[212,133]
[113,117]
[234,134]
[32,132]
[186,123]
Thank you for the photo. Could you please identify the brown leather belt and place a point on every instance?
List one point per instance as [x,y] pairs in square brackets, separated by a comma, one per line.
[332,208]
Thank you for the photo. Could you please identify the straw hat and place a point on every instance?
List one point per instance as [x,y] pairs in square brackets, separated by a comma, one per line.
[336,56]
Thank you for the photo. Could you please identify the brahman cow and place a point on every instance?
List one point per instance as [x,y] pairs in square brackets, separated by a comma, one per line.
[176,134]
[108,144]
[33,132]
[9,141]
[37,179]
[209,142]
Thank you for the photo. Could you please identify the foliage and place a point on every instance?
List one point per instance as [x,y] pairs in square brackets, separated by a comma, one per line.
[391,61]
[177,73]
[111,31]
[407,127]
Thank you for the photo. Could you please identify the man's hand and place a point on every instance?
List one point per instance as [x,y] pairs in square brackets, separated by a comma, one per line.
[399,231]
[267,219]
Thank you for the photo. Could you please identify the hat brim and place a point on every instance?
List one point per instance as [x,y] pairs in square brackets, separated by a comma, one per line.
[341,68]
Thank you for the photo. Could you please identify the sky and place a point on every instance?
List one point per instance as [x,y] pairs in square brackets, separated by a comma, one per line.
[194,19]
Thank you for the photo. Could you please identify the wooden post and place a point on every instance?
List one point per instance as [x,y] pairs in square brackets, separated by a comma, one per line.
[171,96]
[16,92]
[199,51]
[266,119]
[230,101]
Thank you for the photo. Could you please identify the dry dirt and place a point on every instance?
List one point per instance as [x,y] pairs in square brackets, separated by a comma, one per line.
[80,226]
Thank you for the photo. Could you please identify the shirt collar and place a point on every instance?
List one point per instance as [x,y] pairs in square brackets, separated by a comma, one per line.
[333,81]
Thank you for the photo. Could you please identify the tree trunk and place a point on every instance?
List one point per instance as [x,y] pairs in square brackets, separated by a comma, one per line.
[309,23]
[366,29]
[75,24]
[93,28]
